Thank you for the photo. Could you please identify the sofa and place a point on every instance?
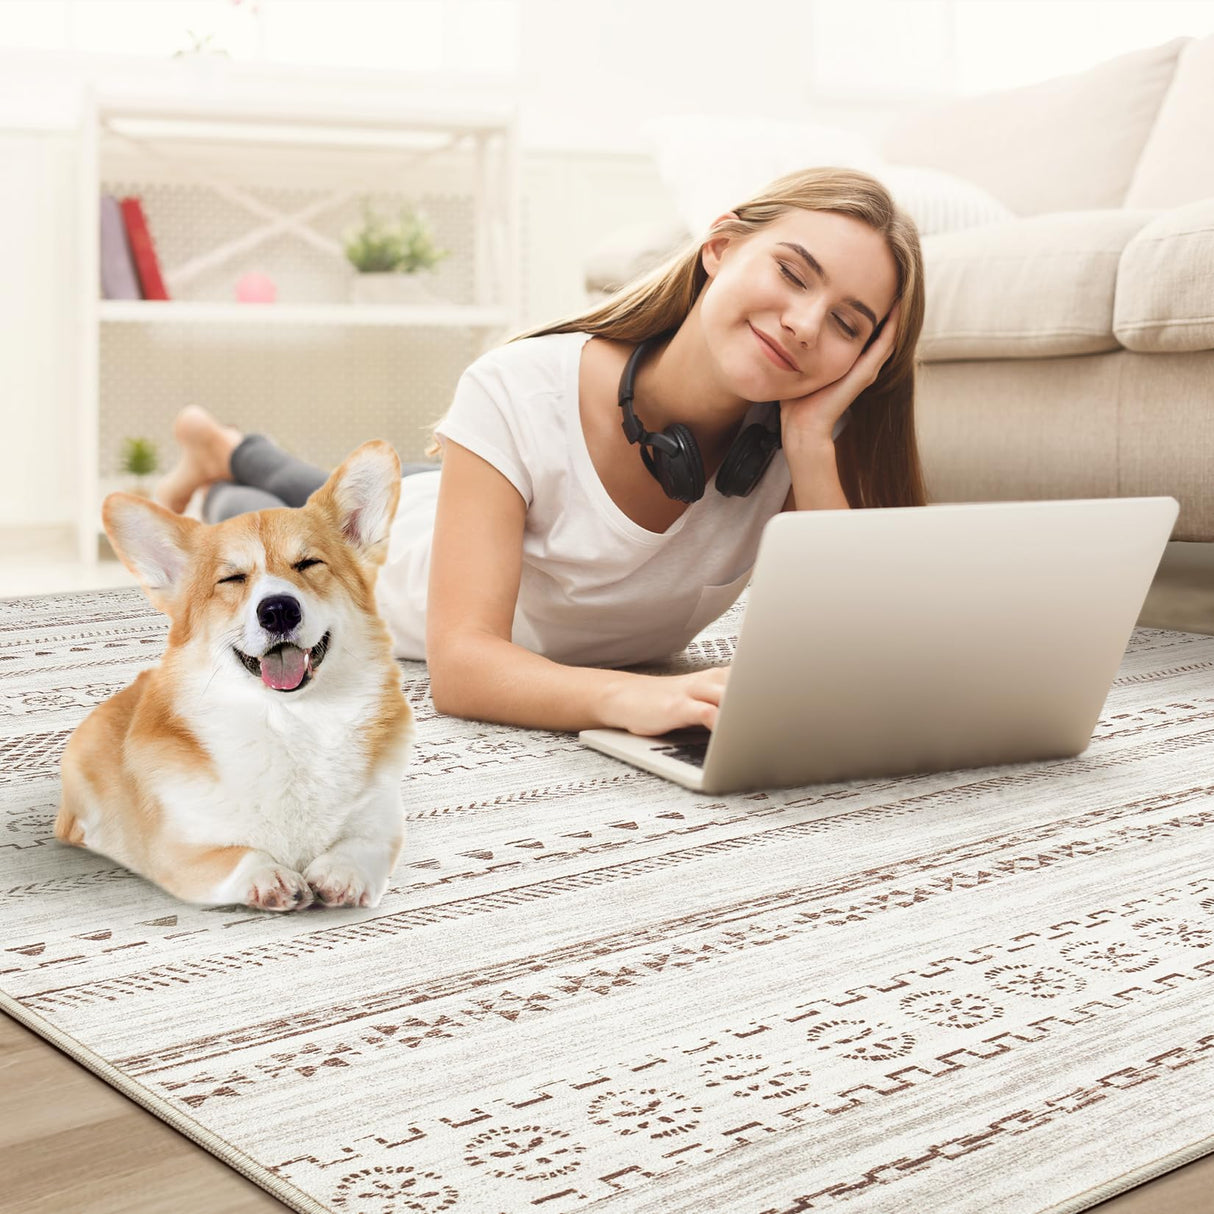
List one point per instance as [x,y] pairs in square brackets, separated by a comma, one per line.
[1068,344]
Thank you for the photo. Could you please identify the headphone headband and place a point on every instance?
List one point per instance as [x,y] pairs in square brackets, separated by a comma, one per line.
[635,432]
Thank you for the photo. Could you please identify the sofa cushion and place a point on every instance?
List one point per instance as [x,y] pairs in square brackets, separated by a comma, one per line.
[1176,165]
[1036,287]
[1164,299]
[1068,144]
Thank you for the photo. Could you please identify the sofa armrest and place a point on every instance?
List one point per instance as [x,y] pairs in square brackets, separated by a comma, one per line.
[1164,301]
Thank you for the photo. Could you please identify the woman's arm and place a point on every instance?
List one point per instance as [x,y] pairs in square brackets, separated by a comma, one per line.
[476,671]
[807,424]
[815,476]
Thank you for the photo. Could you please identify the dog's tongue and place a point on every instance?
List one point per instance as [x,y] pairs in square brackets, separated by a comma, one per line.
[284,668]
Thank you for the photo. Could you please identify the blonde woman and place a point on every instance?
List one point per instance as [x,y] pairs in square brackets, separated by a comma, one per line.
[578,524]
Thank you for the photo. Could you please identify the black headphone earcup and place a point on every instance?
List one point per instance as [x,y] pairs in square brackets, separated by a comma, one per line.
[680,472]
[746,460]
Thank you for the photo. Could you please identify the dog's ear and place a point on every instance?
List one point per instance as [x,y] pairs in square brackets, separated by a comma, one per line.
[153,543]
[360,498]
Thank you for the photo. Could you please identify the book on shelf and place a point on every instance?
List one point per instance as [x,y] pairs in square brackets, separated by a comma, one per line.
[118,280]
[147,265]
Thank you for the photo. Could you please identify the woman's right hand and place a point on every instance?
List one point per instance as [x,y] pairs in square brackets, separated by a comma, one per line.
[655,704]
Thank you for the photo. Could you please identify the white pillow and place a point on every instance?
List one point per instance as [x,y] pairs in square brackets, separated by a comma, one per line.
[711,164]
[938,201]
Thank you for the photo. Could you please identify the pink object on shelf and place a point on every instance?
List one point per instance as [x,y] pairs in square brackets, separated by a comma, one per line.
[256,288]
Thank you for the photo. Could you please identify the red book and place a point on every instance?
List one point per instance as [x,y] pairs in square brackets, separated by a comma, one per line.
[144,252]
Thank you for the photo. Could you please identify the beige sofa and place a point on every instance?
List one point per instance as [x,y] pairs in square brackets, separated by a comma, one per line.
[1069,351]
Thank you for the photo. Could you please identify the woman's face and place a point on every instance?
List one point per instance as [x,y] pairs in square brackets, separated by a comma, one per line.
[789,308]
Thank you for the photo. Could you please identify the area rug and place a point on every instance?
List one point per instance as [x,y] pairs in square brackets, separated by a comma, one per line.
[589,989]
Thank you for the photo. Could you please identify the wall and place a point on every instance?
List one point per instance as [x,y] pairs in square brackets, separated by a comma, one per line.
[38,326]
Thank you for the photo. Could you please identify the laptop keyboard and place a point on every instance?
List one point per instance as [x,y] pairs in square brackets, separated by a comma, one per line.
[688,749]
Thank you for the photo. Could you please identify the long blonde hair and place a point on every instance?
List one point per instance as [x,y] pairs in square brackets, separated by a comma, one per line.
[877,456]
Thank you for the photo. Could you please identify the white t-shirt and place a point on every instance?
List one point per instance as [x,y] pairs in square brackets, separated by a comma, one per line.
[597,589]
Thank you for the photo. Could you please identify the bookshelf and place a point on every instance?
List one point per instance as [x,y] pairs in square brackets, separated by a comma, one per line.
[269,183]
[150,312]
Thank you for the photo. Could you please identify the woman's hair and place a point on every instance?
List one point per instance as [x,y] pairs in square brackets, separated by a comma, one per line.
[877,455]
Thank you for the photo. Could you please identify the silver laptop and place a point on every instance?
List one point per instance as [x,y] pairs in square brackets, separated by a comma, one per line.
[919,639]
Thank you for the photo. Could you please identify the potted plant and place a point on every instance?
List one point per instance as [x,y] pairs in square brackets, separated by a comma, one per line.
[391,258]
[139,460]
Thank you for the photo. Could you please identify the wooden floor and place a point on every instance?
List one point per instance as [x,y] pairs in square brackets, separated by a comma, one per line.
[71,1144]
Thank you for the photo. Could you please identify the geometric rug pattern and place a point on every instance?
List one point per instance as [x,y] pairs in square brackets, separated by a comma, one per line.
[589,989]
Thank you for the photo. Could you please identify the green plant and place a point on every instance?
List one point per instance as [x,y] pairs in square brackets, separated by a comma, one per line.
[200,45]
[405,246]
[138,456]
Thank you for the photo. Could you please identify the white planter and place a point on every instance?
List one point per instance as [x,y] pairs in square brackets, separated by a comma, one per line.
[390,287]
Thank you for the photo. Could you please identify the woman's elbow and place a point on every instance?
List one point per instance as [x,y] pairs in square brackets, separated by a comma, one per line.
[444,682]
[453,667]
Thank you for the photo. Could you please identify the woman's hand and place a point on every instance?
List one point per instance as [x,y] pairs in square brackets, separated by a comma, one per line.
[808,420]
[654,704]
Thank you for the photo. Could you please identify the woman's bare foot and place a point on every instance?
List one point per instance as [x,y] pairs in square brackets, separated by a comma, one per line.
[206,453]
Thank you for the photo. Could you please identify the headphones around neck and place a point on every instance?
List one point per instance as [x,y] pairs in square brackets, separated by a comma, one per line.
[675,461]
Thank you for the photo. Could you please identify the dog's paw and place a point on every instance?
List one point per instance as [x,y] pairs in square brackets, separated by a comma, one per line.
[337,882]
[278,888]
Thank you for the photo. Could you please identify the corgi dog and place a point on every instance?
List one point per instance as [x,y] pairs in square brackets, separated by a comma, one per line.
[260,762]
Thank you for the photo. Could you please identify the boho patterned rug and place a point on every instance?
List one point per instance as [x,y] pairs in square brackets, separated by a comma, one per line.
[590,989]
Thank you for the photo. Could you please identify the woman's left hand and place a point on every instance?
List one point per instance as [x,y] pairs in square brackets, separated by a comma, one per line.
[811,419]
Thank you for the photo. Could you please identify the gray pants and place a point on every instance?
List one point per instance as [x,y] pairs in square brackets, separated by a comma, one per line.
[265,476]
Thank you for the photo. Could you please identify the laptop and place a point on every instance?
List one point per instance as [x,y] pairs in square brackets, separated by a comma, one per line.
[919,639]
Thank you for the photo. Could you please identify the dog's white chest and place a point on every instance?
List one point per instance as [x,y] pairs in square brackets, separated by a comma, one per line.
[287,782]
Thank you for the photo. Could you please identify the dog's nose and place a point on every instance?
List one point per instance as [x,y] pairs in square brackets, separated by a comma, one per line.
[279,613]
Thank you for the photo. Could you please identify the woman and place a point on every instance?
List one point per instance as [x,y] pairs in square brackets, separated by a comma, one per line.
[556,547]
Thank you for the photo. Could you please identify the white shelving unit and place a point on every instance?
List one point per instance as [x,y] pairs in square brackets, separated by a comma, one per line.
[147,311]
[240,180]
